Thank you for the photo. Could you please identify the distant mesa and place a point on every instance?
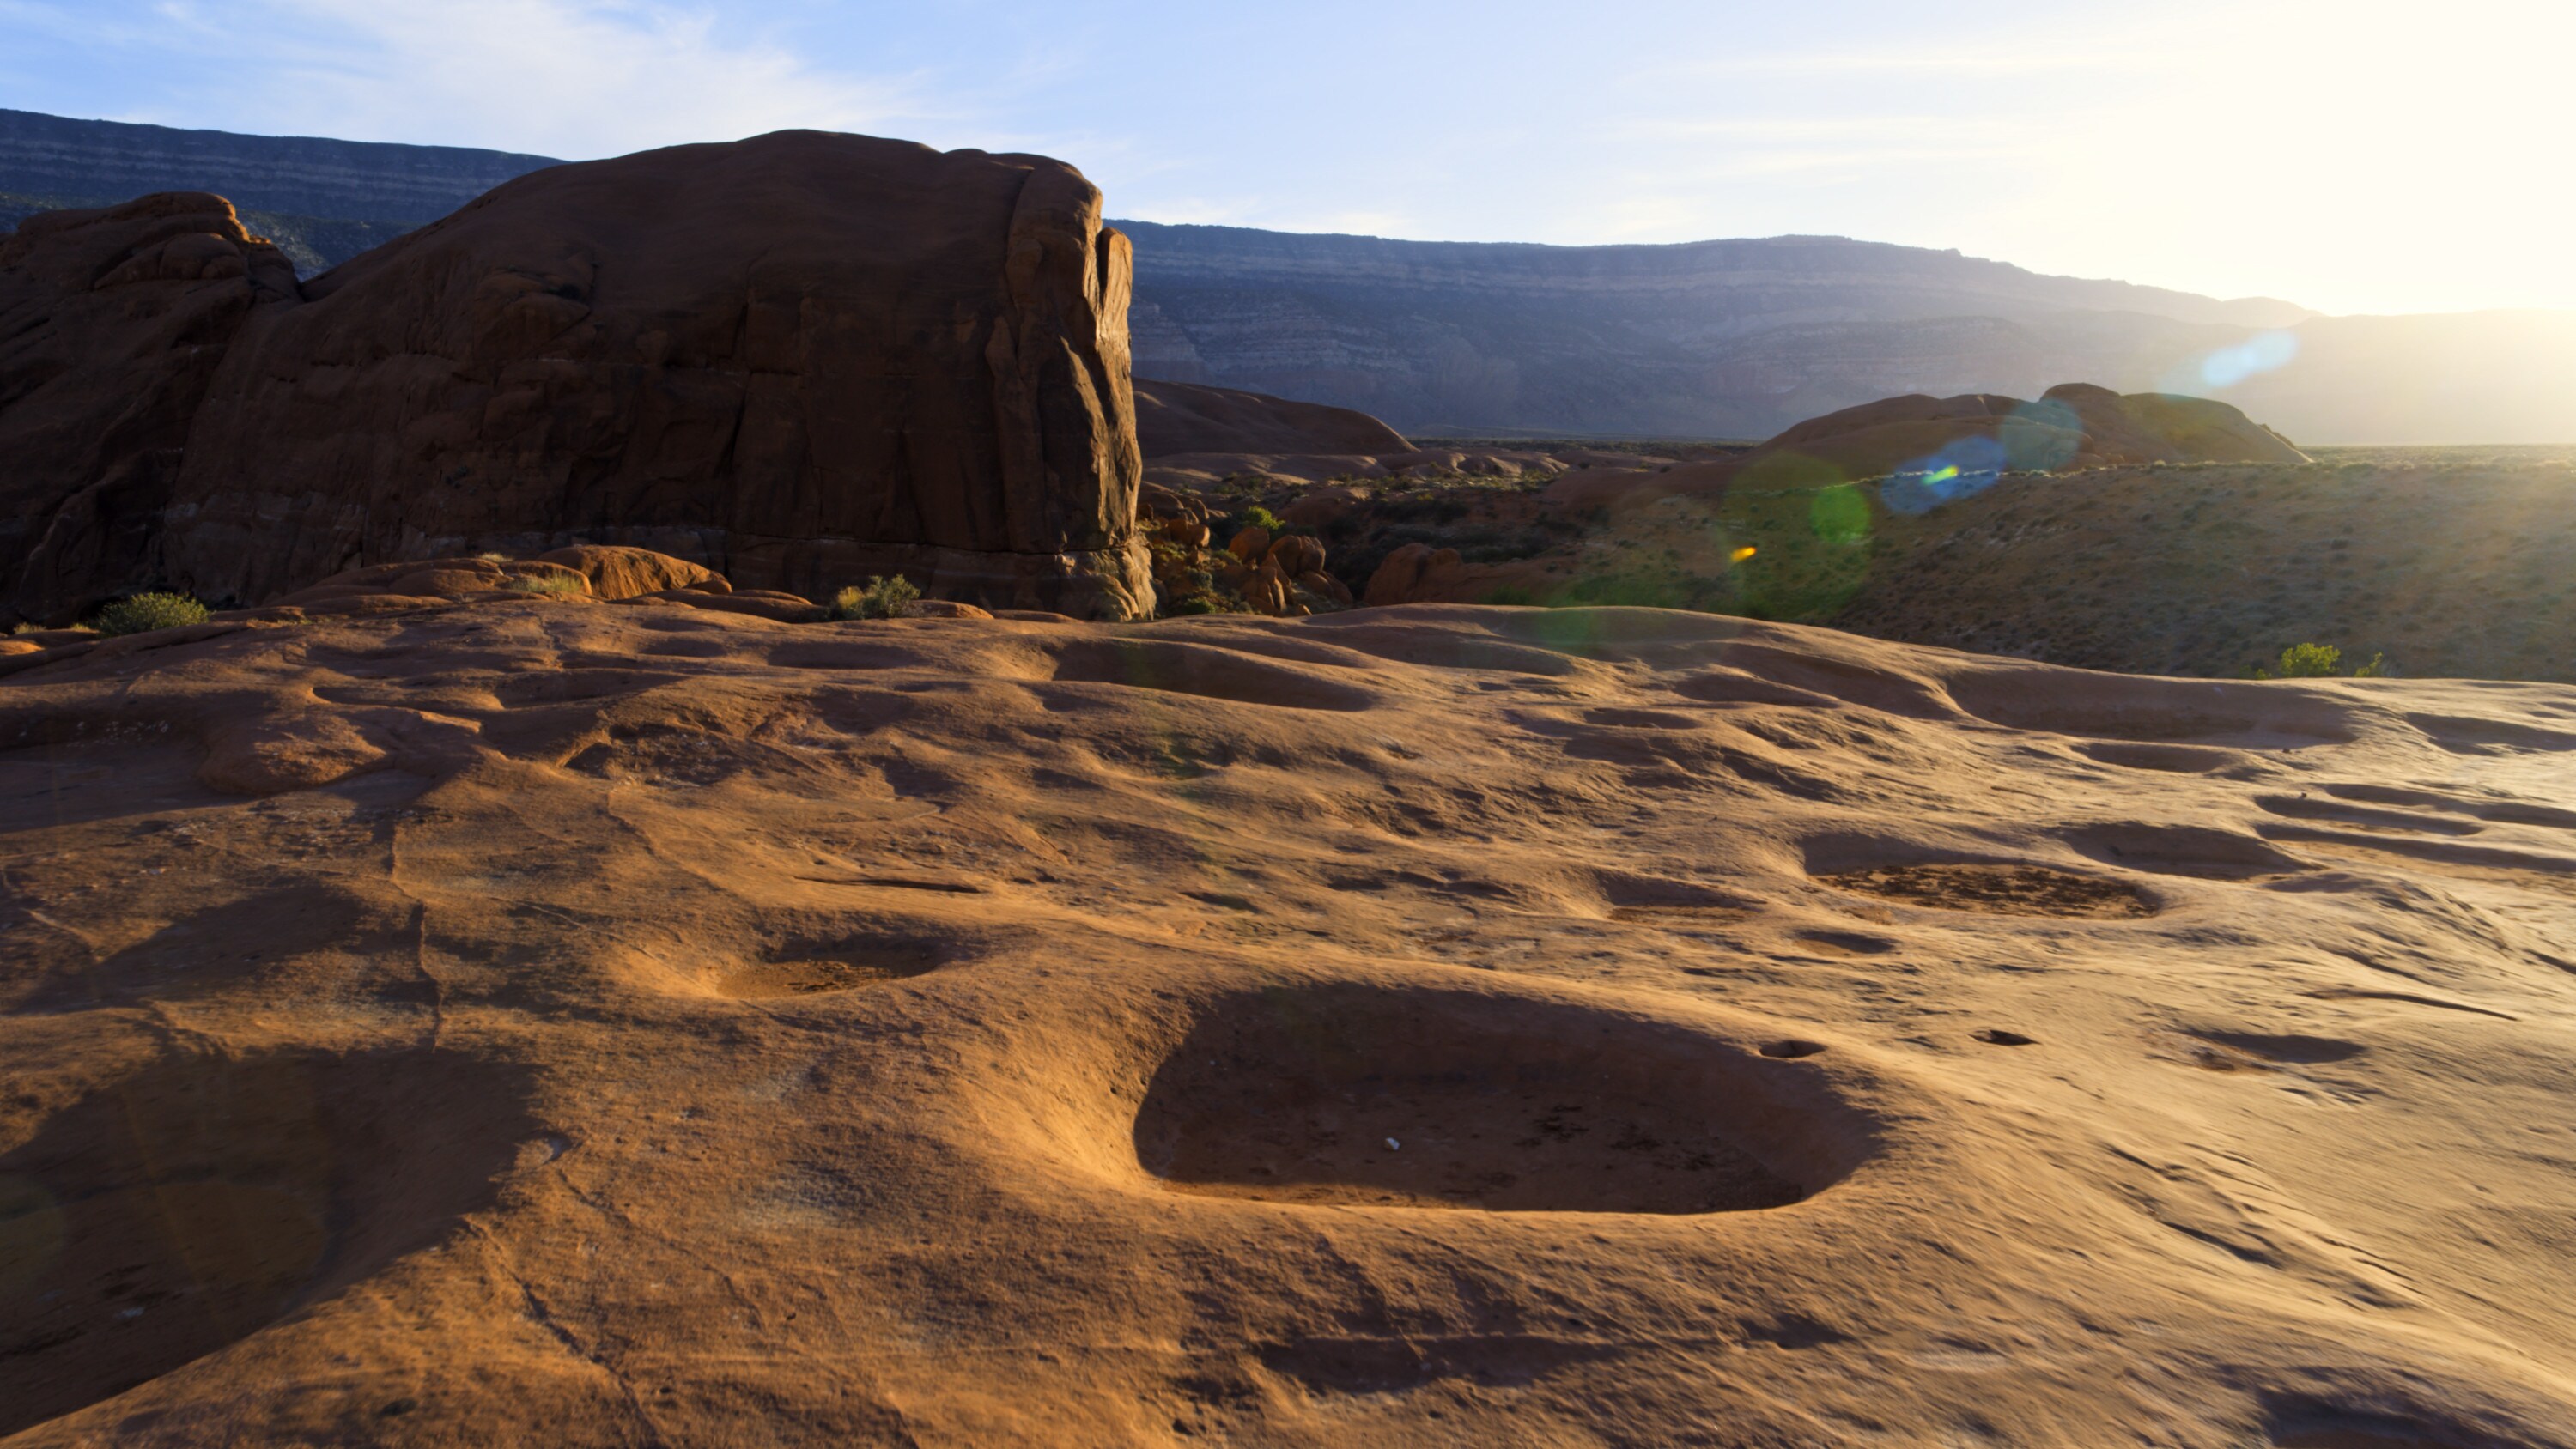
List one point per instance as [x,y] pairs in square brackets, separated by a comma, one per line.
[799,359]
[322,201]
[310,175]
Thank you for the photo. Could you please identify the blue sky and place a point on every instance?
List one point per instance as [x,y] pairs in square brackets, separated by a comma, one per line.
[2355,156]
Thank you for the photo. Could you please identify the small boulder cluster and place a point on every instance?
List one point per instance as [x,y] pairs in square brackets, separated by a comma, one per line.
[585,574]
[605,573]
[1263,566]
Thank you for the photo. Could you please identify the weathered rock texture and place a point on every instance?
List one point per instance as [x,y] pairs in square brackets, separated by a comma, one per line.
[112,324]
[643,1025]
[1180,417]
[799,360]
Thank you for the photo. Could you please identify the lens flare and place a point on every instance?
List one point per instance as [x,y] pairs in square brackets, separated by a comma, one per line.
[1839,515]
[2264,352]
[1960,469]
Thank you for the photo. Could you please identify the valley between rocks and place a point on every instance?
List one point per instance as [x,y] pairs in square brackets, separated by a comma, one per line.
[1430,1025]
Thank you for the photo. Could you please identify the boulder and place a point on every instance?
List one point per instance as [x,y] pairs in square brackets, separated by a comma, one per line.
[1327,586]
[1184,417]
[1268,592]
[1413,573]
[817,357]
[623,573]
[112,325]
[1298,554]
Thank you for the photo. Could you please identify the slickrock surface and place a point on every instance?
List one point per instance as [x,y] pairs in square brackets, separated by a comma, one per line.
[541,1020]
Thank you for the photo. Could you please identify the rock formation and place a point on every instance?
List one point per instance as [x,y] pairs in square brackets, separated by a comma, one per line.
[800,359]
[2072,425]
[1181,417]
[112,324]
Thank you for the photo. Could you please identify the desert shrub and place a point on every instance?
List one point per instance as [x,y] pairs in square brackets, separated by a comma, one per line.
[2309,661]
[881,598]
[2321,661]
[1510,594]
[547,585]
[1251,515]
[149,611]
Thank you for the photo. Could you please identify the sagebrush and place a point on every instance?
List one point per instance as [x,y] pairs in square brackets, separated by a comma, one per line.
[880,598]
[142,612]
[2321,661]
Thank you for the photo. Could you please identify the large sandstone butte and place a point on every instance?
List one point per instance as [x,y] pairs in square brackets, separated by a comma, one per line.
[801,359]
[112,325]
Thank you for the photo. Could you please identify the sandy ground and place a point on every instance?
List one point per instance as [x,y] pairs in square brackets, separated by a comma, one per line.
[548,1022]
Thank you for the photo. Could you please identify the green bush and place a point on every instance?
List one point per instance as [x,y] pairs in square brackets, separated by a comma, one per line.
[547,585]
[2321,661]
[2309,661]
[150,611]
[1253,516]
[882,598]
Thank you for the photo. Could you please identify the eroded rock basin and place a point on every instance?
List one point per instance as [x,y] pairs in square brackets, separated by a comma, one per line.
[193,1203]
[1461,1099]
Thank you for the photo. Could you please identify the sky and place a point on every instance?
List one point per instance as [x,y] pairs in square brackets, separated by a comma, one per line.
[2353,156]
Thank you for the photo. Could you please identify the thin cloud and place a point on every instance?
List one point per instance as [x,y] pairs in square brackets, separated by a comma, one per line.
[582,79]
[574,78]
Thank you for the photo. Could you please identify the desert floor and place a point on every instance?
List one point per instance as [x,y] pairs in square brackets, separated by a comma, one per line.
[553,1022]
